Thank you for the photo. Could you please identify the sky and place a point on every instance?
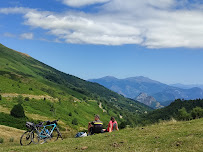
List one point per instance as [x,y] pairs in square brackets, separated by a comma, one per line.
[158,39]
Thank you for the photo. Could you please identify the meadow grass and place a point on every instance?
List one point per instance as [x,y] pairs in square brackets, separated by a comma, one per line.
[163,137]
[10,133]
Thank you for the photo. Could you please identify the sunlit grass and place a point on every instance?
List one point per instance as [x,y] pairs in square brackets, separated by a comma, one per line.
[163,137]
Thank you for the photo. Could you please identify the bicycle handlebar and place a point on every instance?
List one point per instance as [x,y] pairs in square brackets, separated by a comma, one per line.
[42,123]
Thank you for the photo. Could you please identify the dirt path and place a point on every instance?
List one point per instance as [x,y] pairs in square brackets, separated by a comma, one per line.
[38,97]
[100,106]
[4,110]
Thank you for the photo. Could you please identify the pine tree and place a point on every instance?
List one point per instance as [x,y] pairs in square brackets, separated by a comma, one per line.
[18,111]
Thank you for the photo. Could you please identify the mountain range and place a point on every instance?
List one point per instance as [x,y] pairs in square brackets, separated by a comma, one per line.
[189,86]
[163,93]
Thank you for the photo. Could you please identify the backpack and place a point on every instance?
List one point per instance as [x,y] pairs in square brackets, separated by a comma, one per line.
[81,134]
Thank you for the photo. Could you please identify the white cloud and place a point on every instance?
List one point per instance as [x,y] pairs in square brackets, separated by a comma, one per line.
[9,35]
[83,29]
[80,3]
[27,36]
[151,23]
[15,10]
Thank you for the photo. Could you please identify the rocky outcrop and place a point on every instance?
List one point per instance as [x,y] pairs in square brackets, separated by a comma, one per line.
[148,100]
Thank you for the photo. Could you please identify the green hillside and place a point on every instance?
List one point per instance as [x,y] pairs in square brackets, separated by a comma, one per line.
[47,92]
[163,137]
[179,110]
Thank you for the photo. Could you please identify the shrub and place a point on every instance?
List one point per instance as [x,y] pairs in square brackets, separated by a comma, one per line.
[59,101]
[122,125]
[76,111]
[71,99]
[27,98]
[1,140]
[70,114]
[75,121]
[52,109]
[183,115]
[0,97]
[197,113]
[17,111]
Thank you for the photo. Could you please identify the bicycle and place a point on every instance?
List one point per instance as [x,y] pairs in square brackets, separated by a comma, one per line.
[40,133]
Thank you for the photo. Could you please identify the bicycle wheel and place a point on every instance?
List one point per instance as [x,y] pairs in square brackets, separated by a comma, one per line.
[26,138]
[55,135]
[35,138]
[42,138]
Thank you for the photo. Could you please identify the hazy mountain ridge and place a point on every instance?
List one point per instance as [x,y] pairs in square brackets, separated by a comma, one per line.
[185,86]
[163,93]
[131,87]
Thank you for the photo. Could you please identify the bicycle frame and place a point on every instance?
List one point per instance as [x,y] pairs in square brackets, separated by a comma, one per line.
[46,131]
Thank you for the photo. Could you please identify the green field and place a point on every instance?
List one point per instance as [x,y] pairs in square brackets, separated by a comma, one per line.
[169,136]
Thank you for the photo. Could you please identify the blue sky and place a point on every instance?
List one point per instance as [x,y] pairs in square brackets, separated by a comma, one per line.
[159,39]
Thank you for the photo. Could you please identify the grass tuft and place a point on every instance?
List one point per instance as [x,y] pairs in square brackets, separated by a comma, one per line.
[1,140]
[11,139]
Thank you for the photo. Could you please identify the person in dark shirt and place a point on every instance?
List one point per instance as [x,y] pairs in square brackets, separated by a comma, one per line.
[95,126]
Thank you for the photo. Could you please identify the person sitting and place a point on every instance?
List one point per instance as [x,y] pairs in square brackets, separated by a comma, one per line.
[113,125]
[95,126]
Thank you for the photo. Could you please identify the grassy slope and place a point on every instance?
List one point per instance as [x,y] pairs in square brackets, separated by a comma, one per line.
[8,133]
[163,137]
[82,111]
[22,74]
[43,78]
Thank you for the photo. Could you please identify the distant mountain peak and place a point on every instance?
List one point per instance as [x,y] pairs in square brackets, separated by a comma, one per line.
[139,77]
[142,79]
[142,94]
[136,79]
[109,77]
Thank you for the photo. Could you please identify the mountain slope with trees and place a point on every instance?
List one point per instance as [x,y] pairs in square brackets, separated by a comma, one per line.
[179,110]
[49,92]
